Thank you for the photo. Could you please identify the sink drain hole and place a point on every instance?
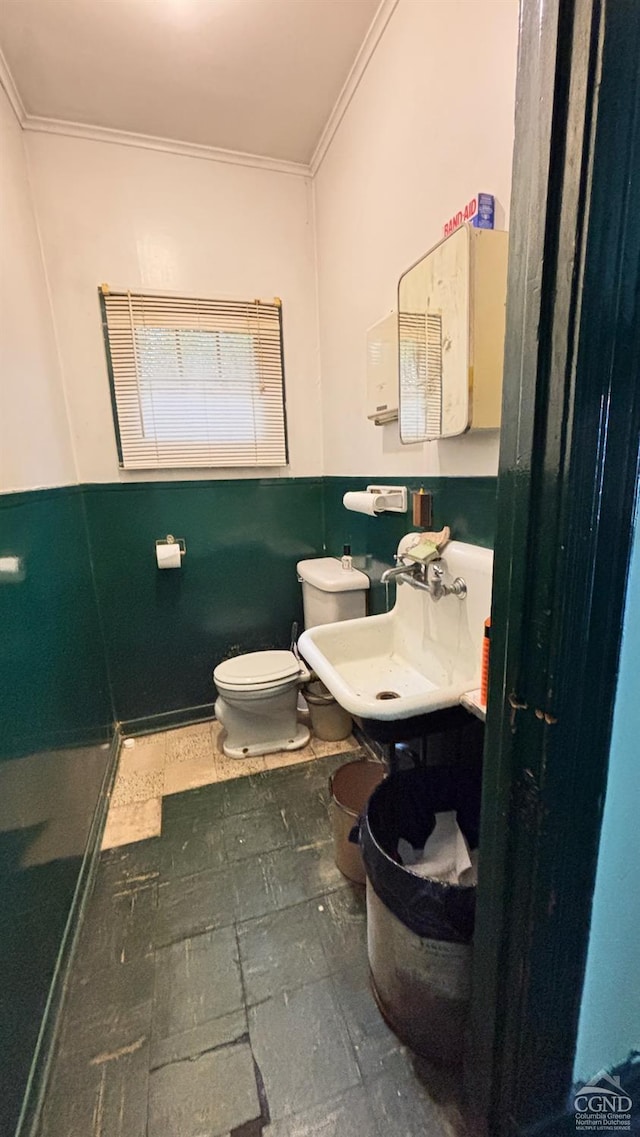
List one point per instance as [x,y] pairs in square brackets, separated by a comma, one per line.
[387,695]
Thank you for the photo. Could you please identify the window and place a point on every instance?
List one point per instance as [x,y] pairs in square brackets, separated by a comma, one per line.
[195,382]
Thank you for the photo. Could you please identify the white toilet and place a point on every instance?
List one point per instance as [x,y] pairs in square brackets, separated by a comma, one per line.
[258,692]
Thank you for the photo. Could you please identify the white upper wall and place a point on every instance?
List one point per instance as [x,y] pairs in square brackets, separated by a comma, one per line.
[430,125]
[35,446]
[144,219]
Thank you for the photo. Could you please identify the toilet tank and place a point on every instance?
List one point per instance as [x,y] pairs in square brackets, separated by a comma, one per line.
[331,593]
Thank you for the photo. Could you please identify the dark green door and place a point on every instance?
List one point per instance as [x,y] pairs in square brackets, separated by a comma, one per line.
[567,485]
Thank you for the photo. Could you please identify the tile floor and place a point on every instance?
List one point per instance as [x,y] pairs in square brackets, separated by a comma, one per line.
[220,988]
[153,766]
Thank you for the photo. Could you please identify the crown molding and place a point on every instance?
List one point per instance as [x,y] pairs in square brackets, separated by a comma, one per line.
[65,129]
[11,91]
[376,29]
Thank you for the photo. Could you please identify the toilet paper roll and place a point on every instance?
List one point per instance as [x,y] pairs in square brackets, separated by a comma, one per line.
[363,502]
[168,556]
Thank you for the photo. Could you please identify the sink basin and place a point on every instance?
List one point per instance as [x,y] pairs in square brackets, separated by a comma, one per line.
[420,657]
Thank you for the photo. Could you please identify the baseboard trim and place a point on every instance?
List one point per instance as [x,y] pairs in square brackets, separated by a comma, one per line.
[149,724]
[29,1120]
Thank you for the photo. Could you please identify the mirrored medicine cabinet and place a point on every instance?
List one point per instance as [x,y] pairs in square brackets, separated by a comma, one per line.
[451,324]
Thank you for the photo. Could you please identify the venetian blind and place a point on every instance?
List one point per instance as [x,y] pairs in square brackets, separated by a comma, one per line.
[195,382]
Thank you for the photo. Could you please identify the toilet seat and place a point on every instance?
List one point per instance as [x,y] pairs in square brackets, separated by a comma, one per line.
[258,671]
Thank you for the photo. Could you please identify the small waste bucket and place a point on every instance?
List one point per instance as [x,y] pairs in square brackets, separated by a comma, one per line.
[349,790]
[329,721]
[419,930]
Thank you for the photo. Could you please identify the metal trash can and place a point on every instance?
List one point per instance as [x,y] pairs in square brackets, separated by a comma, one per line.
[329,721]
[349,790]
[419,930]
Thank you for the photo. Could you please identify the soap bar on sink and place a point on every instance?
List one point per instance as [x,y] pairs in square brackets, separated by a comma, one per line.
[424,551]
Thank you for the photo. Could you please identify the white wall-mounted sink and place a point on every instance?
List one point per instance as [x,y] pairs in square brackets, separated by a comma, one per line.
[420,657]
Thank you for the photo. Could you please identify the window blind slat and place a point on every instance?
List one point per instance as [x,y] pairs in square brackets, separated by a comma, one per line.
[196,382]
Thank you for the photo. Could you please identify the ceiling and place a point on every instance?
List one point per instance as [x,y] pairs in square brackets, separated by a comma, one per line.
[257,76]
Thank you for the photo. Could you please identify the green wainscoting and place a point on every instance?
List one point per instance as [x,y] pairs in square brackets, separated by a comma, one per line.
[158,635]
[52,805]
[52,668]
[54,696]
[466,505]
[236,591]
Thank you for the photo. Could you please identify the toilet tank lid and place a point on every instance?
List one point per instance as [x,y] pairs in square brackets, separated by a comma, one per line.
[327,574]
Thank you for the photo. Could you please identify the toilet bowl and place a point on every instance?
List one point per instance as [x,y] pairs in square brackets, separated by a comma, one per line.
[257,703]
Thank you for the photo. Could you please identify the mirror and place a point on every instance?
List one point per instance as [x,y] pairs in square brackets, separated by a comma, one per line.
[451,323]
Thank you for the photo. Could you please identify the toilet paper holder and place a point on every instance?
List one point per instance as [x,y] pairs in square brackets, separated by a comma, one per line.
[171,540]
[395,497]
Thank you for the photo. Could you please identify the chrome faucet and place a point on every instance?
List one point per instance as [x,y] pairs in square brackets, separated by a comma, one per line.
[401,572]
[428,578]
